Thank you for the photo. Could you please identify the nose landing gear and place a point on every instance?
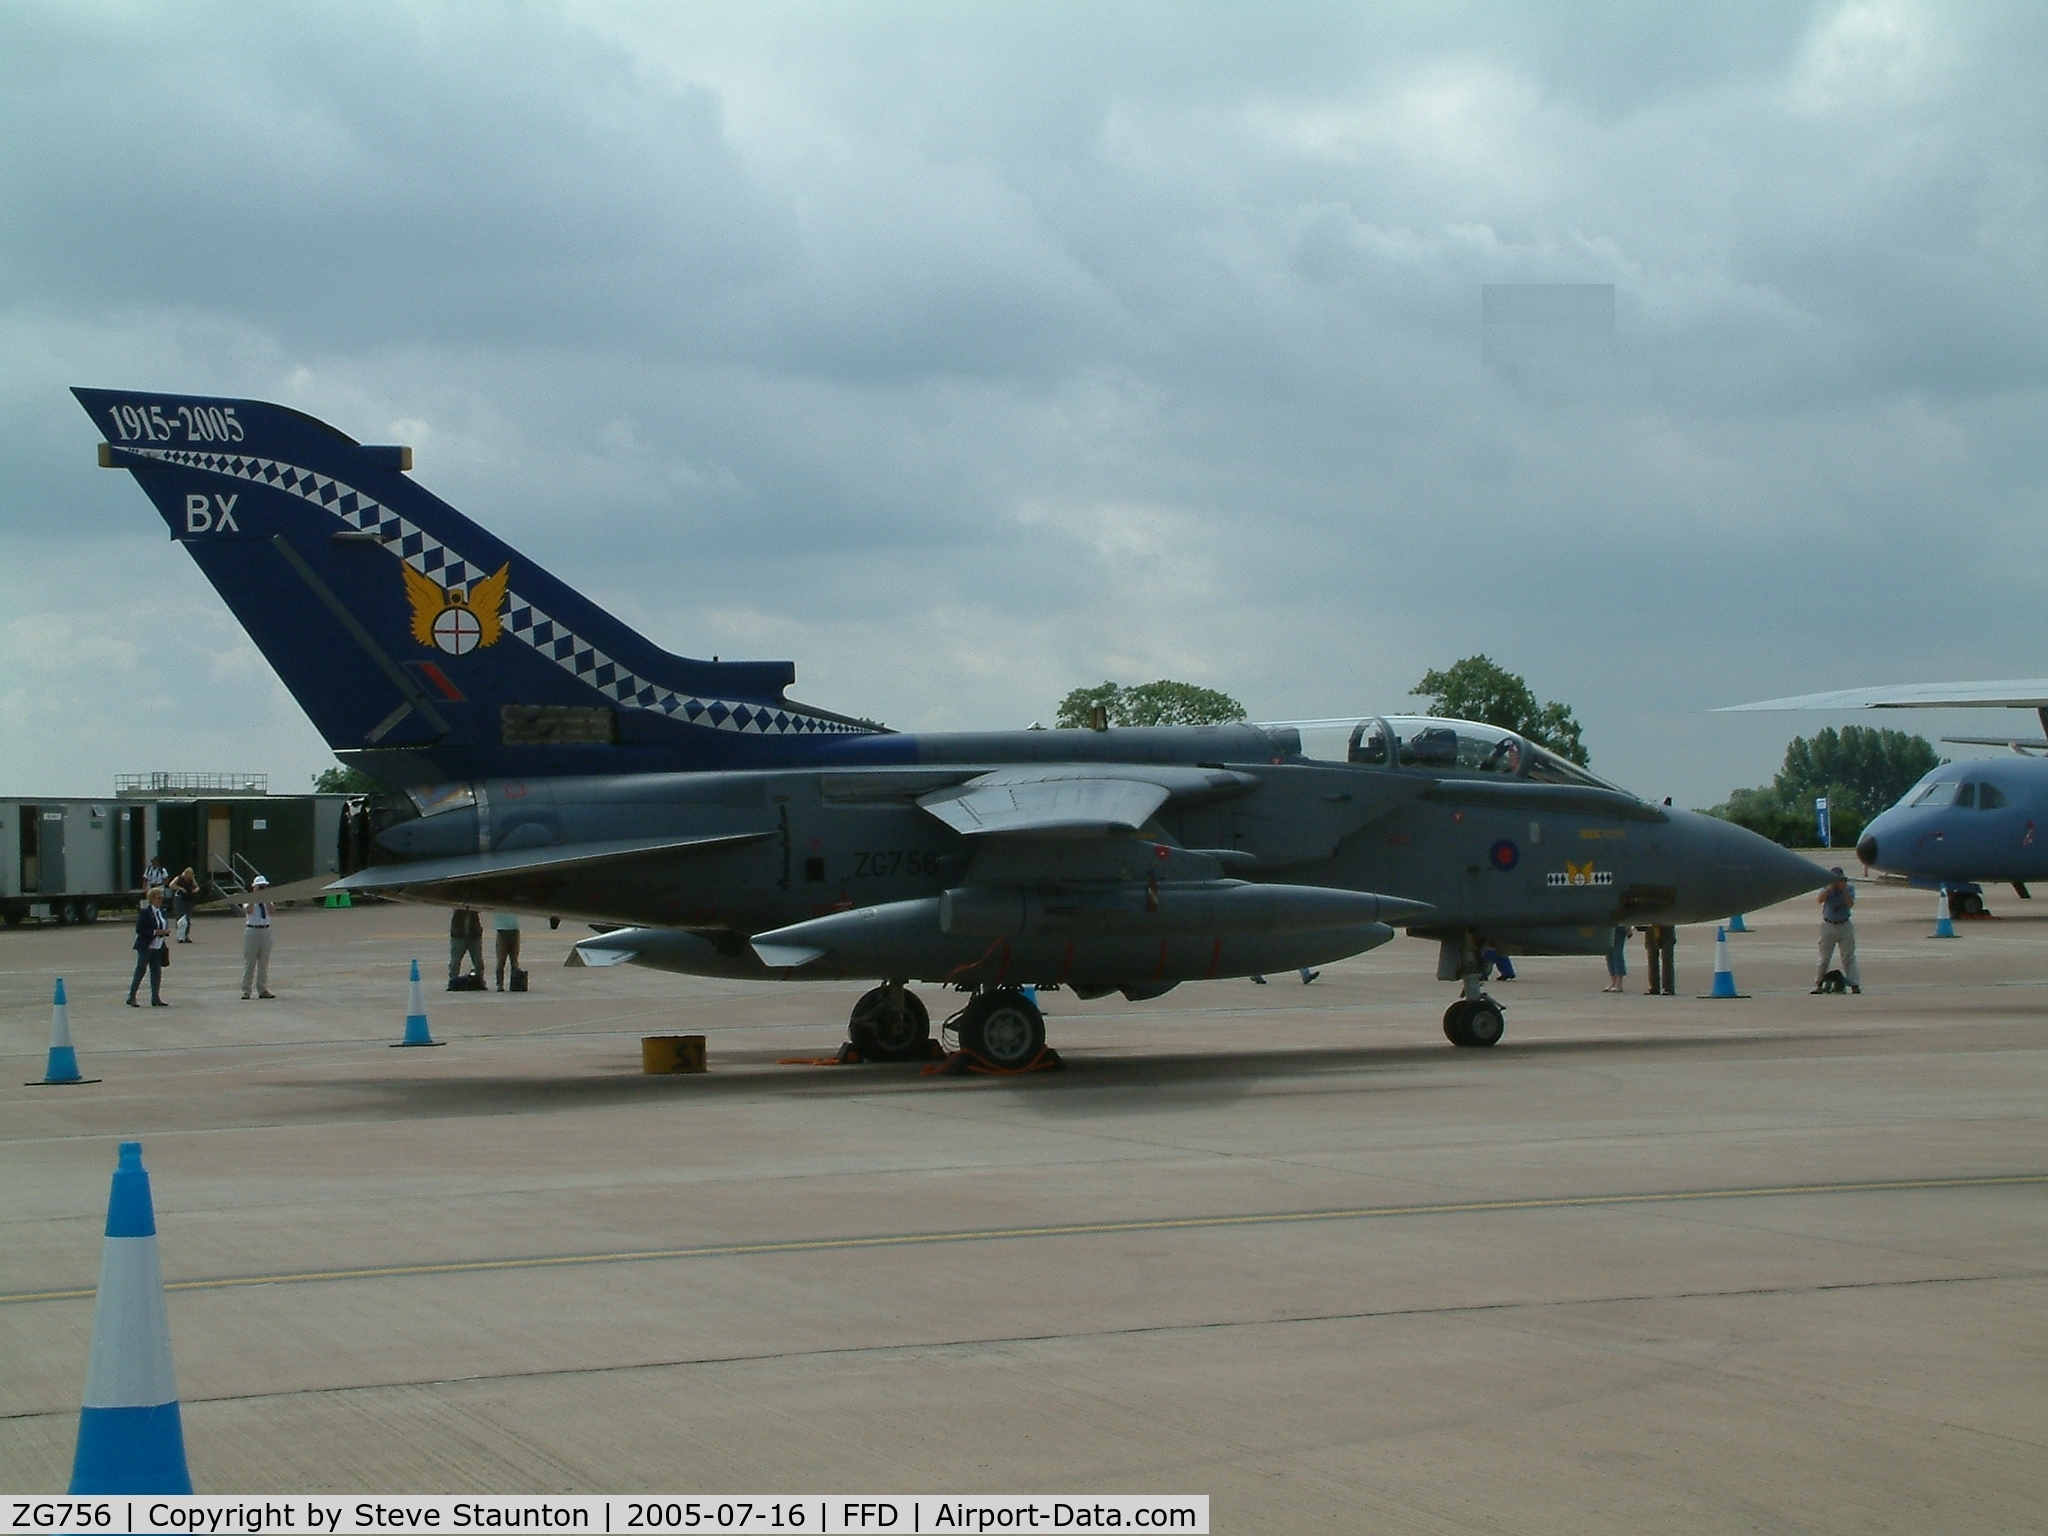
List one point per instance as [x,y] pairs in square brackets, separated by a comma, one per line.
[1474,1019]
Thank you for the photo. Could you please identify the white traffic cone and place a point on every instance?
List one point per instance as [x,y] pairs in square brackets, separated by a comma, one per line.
[1724,977]
[1737,925]
[131,1437]
[62,1068]
[1944,924]
[416,1031]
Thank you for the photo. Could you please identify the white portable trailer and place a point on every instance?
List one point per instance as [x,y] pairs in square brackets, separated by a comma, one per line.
[68,860]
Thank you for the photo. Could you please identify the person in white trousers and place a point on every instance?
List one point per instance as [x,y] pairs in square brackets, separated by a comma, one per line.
[1838,931]
[256,941]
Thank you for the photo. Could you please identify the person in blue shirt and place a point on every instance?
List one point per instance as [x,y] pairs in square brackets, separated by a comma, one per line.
[1838,931]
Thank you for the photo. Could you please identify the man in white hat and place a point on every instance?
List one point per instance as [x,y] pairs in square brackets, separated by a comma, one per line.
[256,941]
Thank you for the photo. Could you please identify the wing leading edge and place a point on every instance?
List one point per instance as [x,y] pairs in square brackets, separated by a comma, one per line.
[1998,693]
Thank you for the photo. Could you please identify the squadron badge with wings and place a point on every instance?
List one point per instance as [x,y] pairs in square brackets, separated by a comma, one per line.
[452,618]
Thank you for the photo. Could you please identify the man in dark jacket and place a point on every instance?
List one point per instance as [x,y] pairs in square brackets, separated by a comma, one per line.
[152,931]
[1660,945]
[465,937]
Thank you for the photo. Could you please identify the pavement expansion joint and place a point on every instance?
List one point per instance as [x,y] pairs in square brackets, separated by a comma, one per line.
[1137,1330]
[1064,1229]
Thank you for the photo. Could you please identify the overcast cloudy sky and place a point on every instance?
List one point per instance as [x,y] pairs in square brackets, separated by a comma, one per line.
[965,354]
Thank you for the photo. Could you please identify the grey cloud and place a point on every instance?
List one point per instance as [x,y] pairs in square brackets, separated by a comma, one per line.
[963,355]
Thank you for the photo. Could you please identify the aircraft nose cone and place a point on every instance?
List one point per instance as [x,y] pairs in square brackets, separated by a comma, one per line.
[1866,850]
[1731,869]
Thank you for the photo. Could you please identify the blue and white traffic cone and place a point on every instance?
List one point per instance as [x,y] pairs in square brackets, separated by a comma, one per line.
[131,1438]
[1724,978]
[416,1032]
[62,1068]
[1944,925]
[1737,925]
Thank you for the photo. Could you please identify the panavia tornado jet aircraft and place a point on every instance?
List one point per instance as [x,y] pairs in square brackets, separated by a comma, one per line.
[544,758]
[1966,824]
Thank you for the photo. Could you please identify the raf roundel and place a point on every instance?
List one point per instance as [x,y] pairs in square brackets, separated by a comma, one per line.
[1505,855]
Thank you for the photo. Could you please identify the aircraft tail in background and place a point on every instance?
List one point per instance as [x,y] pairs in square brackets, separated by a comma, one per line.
[423,648]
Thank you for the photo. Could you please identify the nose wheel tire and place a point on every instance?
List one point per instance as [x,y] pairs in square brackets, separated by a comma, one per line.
[1003,1029]
[1477,1022]
[890,1023]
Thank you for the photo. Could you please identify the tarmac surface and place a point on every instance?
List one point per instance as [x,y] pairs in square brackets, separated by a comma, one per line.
[1767,1265]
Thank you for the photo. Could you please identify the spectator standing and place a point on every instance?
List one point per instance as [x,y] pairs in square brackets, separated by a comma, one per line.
[152,928]
[256,941]
[465,937]
[1838,930]
[505,928]
[155,872]
[184,897]
[1617,960]
[1660,944]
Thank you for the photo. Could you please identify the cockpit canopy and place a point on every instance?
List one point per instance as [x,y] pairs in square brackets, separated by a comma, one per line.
[1427,742]
[1970,794]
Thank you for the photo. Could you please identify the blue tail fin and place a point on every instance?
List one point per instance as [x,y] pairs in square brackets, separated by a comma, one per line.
[423,648]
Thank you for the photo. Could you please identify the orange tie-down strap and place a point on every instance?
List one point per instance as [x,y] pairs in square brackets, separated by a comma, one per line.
[960,1063]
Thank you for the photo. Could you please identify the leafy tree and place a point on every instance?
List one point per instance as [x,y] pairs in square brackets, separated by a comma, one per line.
[339,780]
[1077,706]
[1860,770]
[1162,703]
[1866,770]
[1478,688]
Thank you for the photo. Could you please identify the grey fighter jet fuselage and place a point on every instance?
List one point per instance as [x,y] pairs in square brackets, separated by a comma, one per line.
[1114,860]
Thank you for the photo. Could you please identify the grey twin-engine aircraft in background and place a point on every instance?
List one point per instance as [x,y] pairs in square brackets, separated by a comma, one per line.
[545,758]
[1965,824]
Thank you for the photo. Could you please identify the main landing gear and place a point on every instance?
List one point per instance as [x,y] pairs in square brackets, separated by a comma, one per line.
[889,1023]
[1004,1028]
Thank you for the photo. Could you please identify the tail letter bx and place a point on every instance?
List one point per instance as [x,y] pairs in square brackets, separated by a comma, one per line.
[217,516]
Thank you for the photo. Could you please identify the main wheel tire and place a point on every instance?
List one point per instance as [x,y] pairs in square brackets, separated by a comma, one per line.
[1454,1022]
[890,1024]
[1003,1029]
[1967,904]
[1485,1023]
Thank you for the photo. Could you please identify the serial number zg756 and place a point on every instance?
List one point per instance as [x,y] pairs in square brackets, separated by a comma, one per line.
[59,1515]
[884,863]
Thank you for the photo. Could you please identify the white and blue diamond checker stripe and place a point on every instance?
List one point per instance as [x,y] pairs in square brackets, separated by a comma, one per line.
[362,513]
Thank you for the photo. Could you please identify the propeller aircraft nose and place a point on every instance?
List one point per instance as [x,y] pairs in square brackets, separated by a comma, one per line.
[1866,849]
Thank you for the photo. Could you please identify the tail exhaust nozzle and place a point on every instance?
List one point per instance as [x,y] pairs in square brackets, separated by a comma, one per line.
[1724,976]
[1944,922]
[61,1070]
[416,1031]
[131,1436]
